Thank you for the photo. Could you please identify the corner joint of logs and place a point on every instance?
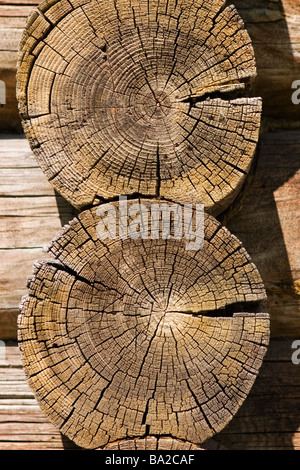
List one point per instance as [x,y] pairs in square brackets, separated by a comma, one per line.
[135,341]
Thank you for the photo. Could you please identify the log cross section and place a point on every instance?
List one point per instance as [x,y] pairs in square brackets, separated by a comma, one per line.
[139,97]
[131,338]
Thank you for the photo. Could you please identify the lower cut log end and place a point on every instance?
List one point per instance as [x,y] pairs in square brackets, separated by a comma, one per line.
[127,338]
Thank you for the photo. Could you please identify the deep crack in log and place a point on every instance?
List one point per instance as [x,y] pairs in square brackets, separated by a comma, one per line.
[125,338]
[131,97]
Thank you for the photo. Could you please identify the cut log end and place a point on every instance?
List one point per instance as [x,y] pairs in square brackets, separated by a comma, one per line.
[126,338]
[134,99]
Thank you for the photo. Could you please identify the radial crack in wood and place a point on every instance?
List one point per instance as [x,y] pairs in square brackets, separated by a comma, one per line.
[129,337]
[114,97]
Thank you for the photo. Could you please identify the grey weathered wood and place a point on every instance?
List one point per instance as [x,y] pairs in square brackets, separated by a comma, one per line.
[148,314]
[285,286]
[267,219]
[274,29]
[30,215]
[139,103]
[13,17]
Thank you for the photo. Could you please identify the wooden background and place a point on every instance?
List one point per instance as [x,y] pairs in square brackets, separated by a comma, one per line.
[265,217]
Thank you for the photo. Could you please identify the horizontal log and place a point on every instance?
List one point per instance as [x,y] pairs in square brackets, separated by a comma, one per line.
[13,17]
[268,420]
[19,2]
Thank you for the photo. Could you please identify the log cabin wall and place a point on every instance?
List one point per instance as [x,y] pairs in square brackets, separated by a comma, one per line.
[265,217]
[13,16]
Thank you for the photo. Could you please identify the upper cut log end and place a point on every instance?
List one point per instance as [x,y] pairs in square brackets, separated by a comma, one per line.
[145,101]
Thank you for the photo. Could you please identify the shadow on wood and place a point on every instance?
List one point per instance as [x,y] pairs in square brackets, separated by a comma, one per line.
[68,444]
[273,28]
[270,417]
[265,22]
[266,219]
[65,210]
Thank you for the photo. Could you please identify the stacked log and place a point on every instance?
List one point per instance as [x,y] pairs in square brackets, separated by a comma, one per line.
[128,337]
[272,26]
[142,337]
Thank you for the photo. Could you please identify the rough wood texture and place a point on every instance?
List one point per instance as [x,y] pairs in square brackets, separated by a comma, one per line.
[13,17]
[266,220]
[134,99]
[152,443]
[272,25]
[127,338]
[293,266]
[30,215]
[268,420]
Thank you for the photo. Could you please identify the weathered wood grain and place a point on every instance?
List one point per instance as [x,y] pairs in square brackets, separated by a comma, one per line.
[13,17]
[156,333]
[152,443]
[272,25]
[283,292]
[267,220]
[30,215]
[274,30]
[268,420]
[138,103]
